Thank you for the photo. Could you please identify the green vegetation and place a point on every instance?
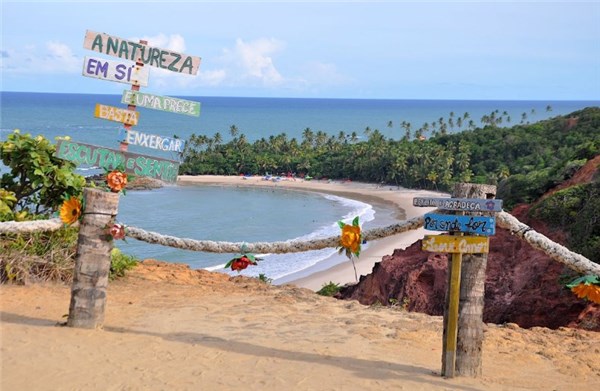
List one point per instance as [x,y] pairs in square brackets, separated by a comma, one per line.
[49,256]
[329,289]
[34,188]
[263,277]
[120,263]
[577,211]
[529,158]
[38,181]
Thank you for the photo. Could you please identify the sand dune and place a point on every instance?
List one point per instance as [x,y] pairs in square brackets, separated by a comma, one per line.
[170,328]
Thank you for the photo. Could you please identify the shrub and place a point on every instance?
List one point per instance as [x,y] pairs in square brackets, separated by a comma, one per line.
[329,289]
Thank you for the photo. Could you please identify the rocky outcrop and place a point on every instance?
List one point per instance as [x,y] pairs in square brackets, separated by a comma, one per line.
[523,286]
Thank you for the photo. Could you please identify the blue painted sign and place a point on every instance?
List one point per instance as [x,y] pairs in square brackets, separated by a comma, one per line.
[462,204]
[482,225]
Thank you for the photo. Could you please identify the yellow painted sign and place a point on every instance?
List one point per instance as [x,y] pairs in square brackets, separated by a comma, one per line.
[128,117]
[456,244]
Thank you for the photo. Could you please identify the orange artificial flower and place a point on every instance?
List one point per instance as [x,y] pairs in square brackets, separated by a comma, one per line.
[70,210]
[351,238]
[116,181]
[589,291]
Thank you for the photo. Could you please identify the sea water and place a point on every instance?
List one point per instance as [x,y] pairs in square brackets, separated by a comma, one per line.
[239,214]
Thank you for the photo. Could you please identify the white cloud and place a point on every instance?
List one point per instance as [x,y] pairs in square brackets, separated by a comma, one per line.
[54,58]
[251,63]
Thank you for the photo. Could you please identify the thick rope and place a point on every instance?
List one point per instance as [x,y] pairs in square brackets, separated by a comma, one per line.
[557,252]
[289,246]
[7,227]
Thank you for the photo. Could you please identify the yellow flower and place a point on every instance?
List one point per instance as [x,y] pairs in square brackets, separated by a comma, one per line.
[116,180]
[351,238]
[70,210]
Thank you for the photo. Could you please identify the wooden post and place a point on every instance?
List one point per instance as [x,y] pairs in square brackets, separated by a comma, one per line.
[451,330]
[469,339]
[92,261]
[123,146]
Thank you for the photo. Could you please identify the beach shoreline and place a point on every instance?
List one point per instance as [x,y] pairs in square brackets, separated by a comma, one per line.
[337,269]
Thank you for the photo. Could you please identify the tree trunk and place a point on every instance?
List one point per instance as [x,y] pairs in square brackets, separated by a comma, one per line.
[92,261]
[472,291]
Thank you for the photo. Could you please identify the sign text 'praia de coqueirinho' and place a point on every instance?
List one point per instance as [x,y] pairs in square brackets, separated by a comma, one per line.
[140,165]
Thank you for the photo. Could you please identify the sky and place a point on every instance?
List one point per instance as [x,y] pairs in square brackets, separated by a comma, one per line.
[477,50]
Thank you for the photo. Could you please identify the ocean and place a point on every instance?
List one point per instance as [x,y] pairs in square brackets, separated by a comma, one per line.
[245,214]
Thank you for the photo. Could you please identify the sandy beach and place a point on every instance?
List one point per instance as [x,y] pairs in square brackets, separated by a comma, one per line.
[341,273]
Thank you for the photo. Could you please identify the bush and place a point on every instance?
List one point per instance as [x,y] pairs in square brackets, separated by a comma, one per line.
[329,289]
[49,256]
[120,263]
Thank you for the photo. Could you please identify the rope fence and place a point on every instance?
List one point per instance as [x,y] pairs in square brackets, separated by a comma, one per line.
[556,251]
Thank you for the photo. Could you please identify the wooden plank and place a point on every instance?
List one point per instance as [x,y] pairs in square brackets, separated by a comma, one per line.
[110,159]
[138,52]
[462,204]
[153,141]
[164,103]
[456,244]
[482,225]
[453,306]
[116,114]
[114,70]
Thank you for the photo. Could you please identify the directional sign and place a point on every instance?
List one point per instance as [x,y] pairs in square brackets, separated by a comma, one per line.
[153,141]
[134,51]
[464,204]
[113,70]
[456,244]
[164,103]
[110,159]
[482,225]
[116,114]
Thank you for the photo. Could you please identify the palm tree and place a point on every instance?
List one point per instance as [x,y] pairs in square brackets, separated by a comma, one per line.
[217,138]
[233,130]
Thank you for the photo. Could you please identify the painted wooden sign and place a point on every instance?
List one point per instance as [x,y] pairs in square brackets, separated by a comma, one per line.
[456,244]
[164,103]
[153,141]
[134,51]
[112,70]
[463,204]
[482,225]
[116,114]
[110,159]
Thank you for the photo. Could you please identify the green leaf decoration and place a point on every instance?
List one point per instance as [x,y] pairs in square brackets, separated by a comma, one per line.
[341,224]
[355,221]
[228,265]
[588,280]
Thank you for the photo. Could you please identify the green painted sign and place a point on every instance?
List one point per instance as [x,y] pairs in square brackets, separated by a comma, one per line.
[110,159]
[164,103]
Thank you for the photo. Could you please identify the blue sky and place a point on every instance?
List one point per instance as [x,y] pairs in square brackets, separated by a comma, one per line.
[378,49]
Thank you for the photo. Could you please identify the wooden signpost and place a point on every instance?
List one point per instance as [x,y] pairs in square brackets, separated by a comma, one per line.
[457,244]
[460,204]
[119,71]
[153,141]
[482,225]
[164,103]
[92,262]
[140,52]
[116,114]
[110,159]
